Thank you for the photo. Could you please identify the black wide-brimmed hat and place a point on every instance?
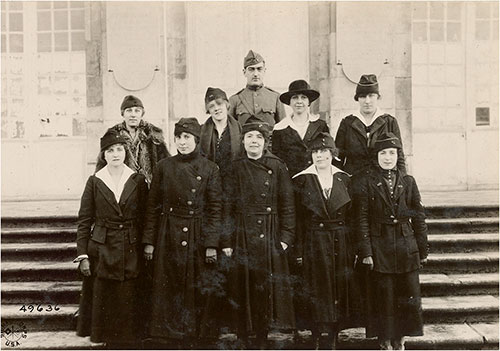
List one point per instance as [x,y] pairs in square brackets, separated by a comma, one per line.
[111,138]
[386,141]
[368,84]
[299,87]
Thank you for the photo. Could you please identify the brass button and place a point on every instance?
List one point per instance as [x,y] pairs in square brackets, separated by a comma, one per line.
[341,223]
[392,216]
[261,236]
[185,229]
[321,225]
[268,209]
[184,243]
[191,212]
[309,162]
[259,221]
[270,172]
[121,225]
[395,221]
[336,240]
[193,190]
[198,178]
[190,202]
[171,209]
[266,183]
[263,195]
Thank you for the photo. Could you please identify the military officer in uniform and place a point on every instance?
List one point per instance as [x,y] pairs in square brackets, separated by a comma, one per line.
[256,99]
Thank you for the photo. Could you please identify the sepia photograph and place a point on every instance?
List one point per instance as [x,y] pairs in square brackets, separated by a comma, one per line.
[232,175]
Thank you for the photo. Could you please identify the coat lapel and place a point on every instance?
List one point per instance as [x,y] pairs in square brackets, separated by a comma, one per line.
[339,195]
[128,189]
[312,197]
[108,195]
[376,125]
[311,131]
[359,127]
[235,132]
[398,187]
[383,191]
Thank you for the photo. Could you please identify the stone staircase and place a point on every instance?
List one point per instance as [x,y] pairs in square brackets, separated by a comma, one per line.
[460,285]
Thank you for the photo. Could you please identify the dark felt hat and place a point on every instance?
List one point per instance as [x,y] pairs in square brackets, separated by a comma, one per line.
[111,138]
[131,101]
[253,123]
[299,87]
[386,141]
[213,94]
[322,140]
[368,84]
[189,125]
[252,58]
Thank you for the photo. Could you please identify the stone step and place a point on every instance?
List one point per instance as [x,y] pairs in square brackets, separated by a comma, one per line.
[38,252]
[454,309]
[459,284]
[449,263]
[468,242]
[69,291]
[41,292]
[461,211]
[16,271]
[27,220]
[462,225]
[436,337]
[44,235]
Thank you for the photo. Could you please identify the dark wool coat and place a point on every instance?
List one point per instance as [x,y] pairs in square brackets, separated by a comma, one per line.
[110,234]
[263,209]
[261,102]
[208,138]
[145,150]
[392,230]
[183,219]
[355,148]
[326,244]
[294,151]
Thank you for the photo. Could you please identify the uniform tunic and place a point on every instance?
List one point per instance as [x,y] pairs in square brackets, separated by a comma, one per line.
[392,230]
[260,102]
[291,148]
[325,243]
[183,219]
[109,232]
[263,208]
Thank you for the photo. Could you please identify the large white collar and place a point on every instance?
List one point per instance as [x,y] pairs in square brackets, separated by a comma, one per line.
[117,190]
[377,113]
[312,170]
[288,122]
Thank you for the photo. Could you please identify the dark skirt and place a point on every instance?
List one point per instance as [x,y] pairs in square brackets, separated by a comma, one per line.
[109,311]
[393,305]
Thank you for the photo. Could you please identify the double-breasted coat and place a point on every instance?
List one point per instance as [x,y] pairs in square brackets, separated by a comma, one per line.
[183,219]
[355,143]
[109,232]
[393,231]
[326,243]
[291,148]
[261,102]
[264,213]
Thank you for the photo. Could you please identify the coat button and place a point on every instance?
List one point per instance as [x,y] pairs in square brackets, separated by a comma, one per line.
[190,202]
[341,223]
[270,172]
[185,229]
[392,216]
[261,236]
[191,212]
[336,240]
[121,226]
[268,209]
[193,190]
[395,221]
[171,209]
[309,162]
[198,178]
[263,195]
[259,221]
[184,243]
[321,225]
[266,183]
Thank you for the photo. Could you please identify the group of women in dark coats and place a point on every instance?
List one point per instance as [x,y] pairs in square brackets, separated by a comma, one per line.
[252,241]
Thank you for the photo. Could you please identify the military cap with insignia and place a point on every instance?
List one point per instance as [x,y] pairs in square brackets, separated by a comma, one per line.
[111,138]
[368,84]
[214,94]
[252,58]
[386,141]
[322,141]
[253,123]
[188,125]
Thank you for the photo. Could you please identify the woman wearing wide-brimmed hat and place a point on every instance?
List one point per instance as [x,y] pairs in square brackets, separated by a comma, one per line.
[292,136]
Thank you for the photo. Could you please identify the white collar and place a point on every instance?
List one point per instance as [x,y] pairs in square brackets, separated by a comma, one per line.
[378,112]
[288,122]
[312,170]
[104,175]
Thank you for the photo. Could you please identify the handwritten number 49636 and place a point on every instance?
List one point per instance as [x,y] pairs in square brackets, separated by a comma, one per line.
[39,308]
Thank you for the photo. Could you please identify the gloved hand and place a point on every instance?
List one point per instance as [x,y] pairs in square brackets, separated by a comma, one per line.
[369,261]
[211,255]
[227,251]
[148,252]
[84,267]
